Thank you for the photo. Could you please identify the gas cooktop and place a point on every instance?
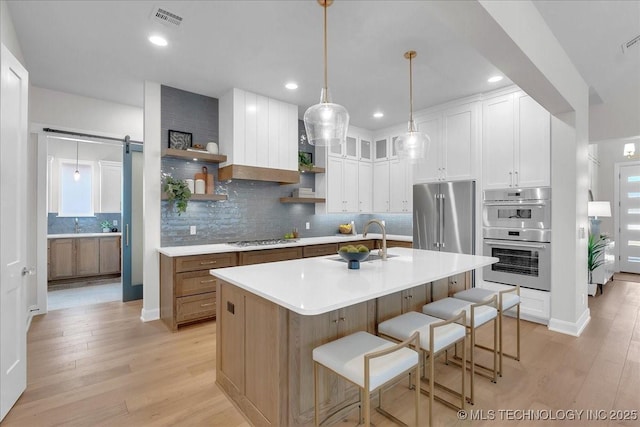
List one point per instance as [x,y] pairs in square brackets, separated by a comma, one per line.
[265,242]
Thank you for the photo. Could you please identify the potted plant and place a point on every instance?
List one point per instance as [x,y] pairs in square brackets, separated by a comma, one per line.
[595,249]
[106,226]
[305,161]
[178,192]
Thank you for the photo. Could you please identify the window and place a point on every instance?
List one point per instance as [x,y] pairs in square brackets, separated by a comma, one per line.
[76,197]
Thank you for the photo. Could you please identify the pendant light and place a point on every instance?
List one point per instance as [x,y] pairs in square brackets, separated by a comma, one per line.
[326,123]
[413,144]
[76,174]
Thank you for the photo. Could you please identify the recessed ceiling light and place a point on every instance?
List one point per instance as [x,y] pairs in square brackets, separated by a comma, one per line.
[291,86]
[494,79]
[158,41]
[378,114]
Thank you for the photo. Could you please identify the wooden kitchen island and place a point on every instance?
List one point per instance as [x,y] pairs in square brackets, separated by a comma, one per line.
[271,316]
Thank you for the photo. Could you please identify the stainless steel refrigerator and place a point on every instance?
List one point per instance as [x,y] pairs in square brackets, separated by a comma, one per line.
[444,216]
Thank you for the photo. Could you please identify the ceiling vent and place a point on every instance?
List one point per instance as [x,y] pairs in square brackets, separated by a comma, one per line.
[634,42]
[165,17]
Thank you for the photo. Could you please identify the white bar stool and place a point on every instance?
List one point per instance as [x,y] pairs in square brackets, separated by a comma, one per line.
[477,315]
[436,336]
[507,299]
[370,362]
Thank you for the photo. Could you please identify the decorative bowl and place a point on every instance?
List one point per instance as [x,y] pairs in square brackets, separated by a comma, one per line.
[353,256]
[344,228]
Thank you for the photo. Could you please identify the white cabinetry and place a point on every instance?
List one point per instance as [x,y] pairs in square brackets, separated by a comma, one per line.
[400,186]
[516,142]
[452,151]
[381,186]
[258,131]
[347,184]
[365,187]
[342,185]
[604,272]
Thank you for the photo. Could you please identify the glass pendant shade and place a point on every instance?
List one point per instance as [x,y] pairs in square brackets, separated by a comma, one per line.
[413,145]
[326,123]
[76,175]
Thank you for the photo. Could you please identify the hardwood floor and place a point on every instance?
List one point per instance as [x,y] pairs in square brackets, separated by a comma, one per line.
[99,365]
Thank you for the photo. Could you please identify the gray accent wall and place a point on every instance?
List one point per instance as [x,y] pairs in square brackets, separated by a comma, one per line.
[253,210]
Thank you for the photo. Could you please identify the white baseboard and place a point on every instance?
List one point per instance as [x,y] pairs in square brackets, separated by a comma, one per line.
[571,328]
[149,315]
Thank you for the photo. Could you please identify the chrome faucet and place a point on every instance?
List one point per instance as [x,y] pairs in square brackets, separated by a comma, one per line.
[77,227]
[383,251]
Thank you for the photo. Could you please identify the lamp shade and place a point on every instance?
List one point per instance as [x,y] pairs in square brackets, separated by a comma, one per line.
[413,145]
[629,149]
[597,209]
[326,123]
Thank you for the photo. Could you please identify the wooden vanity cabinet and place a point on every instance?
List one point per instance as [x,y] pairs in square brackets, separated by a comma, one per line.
[393,305]
[83,257]
[187,290]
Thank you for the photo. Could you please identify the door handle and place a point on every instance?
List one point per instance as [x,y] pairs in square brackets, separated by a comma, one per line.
[516,178]
[28,271]
[126,235]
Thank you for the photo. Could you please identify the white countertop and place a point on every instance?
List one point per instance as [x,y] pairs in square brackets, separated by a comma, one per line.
[313,286]
[78,235]
[173,251]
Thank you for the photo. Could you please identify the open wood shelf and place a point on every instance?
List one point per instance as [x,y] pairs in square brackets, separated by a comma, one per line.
[314,169]
[301,200]
[199,197]
[191,155]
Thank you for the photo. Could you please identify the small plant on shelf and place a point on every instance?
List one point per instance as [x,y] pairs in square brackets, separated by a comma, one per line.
[106,226]
[177,192]
[305,161]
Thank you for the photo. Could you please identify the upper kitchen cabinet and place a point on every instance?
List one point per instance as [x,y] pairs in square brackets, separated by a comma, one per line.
[342,185]
[381,185]
[259,136]
[516,142]
[401,186]
[348,150]
[452,151]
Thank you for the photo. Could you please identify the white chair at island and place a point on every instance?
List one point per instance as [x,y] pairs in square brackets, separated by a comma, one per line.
[507,300]
[478,314]
[370,362]
[436,336]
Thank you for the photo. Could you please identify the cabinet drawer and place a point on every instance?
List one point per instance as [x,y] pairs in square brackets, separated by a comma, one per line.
[319,250]
[270,255]
[194,282]
[398,244]
[195,307]
[206,262]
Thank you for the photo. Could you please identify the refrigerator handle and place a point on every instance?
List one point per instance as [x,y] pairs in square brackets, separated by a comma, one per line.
[436,244]
[442,224]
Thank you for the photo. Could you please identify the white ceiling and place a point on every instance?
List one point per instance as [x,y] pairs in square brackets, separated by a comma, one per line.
[100,49]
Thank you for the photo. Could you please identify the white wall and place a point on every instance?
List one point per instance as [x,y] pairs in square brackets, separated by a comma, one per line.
[8,36]
[82,114]
[151,203]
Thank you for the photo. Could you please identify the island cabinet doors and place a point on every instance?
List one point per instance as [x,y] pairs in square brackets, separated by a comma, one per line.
[307,333]
[251,357]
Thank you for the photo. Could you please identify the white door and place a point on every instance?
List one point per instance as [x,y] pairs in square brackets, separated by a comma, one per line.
[335,200]
[396,185]
[365,186]
[13,245]
[629,218]
[428,169]
[381,187]
[350,185]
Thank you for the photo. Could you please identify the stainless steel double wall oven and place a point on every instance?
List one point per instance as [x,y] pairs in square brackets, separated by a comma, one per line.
[517,230]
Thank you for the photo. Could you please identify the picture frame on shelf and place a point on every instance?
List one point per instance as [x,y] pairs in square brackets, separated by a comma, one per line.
[180,140]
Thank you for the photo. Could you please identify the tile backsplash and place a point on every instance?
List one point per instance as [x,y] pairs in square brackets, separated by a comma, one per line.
[90,224]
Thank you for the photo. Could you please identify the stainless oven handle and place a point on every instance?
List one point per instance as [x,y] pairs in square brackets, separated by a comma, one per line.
[517,245]
[517,202]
